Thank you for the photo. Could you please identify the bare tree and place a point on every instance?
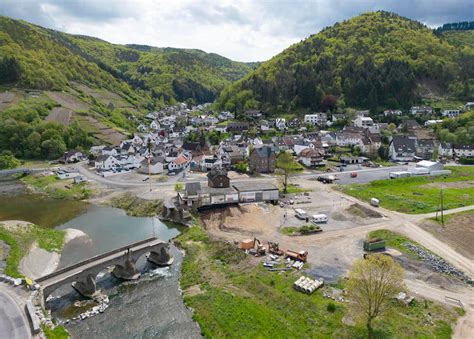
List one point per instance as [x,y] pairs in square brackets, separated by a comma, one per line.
[372,283]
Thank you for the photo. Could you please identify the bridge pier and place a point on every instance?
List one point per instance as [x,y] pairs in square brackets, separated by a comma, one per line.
[161,256]
[85,286]
[128,270]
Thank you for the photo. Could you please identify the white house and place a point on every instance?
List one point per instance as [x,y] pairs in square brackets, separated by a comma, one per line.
[109,151]
[463,151]
[280,123]
[392,112]
[445,150]
[316,119]
[363,122]
[432,122]
[402,148]
[311,157]
[421,110]
[450,113]
[178,163]
[154,166]
[106,162]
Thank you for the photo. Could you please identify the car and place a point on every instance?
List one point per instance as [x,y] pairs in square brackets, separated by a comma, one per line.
[145,179]
[354,175]
[171,173]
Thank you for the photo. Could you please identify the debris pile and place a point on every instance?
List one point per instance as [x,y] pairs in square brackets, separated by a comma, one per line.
[307,285]
[436,263]
[274,263]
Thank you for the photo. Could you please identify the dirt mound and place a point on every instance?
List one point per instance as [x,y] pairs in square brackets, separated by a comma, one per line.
[362,211]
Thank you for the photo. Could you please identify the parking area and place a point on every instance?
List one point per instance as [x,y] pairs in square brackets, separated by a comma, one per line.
[366,175]
[341,212]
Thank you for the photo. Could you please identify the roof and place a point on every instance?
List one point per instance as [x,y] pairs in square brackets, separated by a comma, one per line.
[180,160]
[464,147]
[192,188]
[215,172]
[403,143]
[264,151]
[253,186]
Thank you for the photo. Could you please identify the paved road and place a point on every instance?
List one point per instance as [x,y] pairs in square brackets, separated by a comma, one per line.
[13,322]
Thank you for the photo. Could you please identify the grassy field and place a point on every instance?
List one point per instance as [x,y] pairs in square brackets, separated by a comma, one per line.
[137,207]
[419,194]
[21,239]
[58,189]
[293,189]
[233,296]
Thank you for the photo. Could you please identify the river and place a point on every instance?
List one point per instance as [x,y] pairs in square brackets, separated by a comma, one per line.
[147,308]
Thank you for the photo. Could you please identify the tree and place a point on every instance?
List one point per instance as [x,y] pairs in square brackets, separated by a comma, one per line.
[8,160]
[287,165]
[178,186]
[372,283]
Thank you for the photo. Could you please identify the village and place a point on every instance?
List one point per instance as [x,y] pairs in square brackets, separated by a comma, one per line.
[178,139]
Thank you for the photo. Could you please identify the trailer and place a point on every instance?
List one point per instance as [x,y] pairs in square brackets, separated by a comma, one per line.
[400,174]
[374,244]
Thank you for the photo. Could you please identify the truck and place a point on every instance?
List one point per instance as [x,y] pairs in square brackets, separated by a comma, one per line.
[299,256]
[374,244]
[301,214]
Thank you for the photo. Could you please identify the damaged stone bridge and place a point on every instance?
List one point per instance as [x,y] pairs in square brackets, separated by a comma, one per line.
[82,275]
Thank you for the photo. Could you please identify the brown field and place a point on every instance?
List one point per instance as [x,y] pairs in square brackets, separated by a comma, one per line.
[61,115]
[105,96]
[7,99]
[99,130]
[68,101]
[458,231]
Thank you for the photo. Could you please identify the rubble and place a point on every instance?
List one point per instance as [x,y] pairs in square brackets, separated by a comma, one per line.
[436,263]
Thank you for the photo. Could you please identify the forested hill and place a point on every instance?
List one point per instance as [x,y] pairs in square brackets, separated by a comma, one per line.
[374,60]
[39,58]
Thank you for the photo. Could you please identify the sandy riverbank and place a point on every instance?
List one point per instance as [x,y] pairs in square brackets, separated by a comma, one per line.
[39,262]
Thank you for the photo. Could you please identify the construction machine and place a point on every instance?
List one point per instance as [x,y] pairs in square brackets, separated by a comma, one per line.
[300,256]
[273,248]
[253,246]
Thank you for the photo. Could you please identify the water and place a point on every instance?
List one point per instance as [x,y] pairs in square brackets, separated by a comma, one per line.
[17,204]
[108,228]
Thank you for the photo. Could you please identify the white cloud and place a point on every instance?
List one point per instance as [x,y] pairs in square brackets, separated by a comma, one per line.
[243,30]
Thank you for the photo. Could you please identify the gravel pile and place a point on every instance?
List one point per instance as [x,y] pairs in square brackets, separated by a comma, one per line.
[436,263]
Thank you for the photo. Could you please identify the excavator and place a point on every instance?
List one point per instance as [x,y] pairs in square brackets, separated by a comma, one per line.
[273,248]
[253,245]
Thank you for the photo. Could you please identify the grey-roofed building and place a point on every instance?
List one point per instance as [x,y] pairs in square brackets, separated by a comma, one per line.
[262,159]
[402,148]
[256,191]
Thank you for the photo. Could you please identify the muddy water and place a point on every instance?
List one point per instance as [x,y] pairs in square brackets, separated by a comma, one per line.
[16,203]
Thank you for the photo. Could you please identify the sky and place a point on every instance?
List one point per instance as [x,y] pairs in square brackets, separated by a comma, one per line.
[242,30]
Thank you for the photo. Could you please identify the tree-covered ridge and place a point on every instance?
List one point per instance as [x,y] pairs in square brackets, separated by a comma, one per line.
[373,60]
[40,58]
[31,58]
[456,26]
[459,38]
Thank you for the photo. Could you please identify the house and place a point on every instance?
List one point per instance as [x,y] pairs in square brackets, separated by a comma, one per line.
[421,110]
[79,179]
[425,148]
[254,114]
[402,148]
[463,151]
[353,160]
[280,124]
[72,157]
[429,123]
[67,174]
[109,151]
[238,126]
[364,113]
[294,123]
[348,138]
[450,113]
[233,152]
[152,165]
[392,112]
[217,178]
[127,148]
[316,119]
[409,125]
[96,150]
[207,162]
[106,162]
[225,116]
[363,122]
[155,125]
[445,150]
[179,163]
[262,159]
[311,157]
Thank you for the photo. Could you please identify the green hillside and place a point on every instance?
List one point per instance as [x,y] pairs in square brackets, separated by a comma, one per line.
[373,60]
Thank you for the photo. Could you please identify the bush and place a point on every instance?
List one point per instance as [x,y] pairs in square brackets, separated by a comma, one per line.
[331,307]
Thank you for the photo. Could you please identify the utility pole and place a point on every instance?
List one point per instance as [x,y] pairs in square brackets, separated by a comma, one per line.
[442,207]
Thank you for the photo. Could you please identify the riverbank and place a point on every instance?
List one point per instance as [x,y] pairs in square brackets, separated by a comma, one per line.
[33,251]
